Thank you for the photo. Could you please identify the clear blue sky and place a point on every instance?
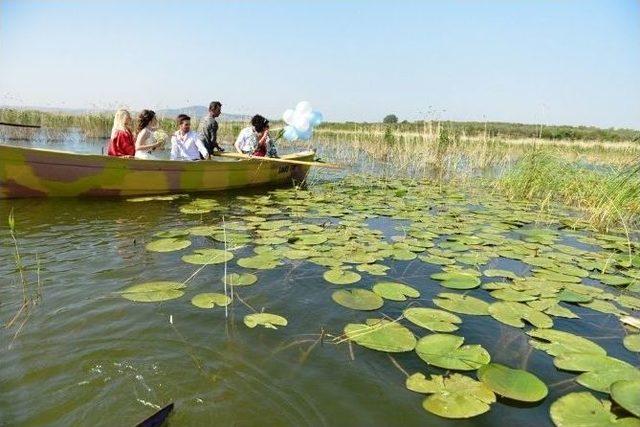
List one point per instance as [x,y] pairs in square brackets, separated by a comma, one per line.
[570,61]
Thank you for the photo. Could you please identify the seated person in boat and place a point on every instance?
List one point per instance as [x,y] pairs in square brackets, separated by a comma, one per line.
[185,143]
[254,140]
[121,143]
[145,144]
[208,129]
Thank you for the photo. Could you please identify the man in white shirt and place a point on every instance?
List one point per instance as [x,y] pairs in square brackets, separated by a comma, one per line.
[185,144]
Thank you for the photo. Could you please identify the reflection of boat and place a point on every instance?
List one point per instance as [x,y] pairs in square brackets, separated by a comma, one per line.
[30,172]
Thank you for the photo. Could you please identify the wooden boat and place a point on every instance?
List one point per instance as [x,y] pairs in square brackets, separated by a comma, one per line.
[32,172]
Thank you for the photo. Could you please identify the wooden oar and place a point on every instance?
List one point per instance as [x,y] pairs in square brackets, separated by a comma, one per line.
[18,125]
[278,160]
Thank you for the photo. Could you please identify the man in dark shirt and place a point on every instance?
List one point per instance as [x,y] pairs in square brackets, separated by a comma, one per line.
[208,129]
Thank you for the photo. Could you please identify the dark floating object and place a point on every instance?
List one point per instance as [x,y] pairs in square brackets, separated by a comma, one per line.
[158,418]
[18,125]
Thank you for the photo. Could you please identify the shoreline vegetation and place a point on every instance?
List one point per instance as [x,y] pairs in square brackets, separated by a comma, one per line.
[596,171]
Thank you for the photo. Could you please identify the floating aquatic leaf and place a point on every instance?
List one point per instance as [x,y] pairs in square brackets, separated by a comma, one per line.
[154,291]
[629,302]
[168,245]
[584,410]
[208,256]
[259,262]
[552,276]
[357,299]
[513,313]
[500,273]
[462,304]
[437,260]
[627,394]
[310,239]
[204,230]
[568,295]
[395,291]
[272,240]
[242,279]
[267,320]
[373,269]
[168,234]
[586,362]
[341,277]
[514,384]
[632,342]
[432,319]
[604,307]
[457,280]
[558,342]
[446,351]
[602,378]
[381,335]
[510,294]
[551,307]
[611,279]
[210,300]
[454,396]
[326,261]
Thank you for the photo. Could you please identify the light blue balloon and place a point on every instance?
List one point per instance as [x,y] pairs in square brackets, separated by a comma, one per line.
[290,133]
[306,135]
[316,118]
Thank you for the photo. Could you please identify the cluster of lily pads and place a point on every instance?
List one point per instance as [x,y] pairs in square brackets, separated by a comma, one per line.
[463,237]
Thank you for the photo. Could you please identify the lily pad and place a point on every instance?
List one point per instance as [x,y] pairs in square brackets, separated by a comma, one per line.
[241,279]
[632,342]
[259,262]
[513,313]
[373,269]
[210,300]
[446,351]
[585,410]
[154,291]
[381,335]
[208,256]
[500,273]
[341,277]
[267,320]
[514,384]
[557,342]
[395,291]
[627,394]
[454,396]
[171,234]
[433,319]
[457,280]
[463,304]
[357,299]
[168,245]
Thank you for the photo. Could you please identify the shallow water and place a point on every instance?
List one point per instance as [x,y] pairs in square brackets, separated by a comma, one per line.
[85,355]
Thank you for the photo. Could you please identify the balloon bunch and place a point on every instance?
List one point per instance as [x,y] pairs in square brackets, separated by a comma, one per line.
[300,122]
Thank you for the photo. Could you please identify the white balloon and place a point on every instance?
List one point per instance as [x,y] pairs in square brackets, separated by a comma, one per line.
[288,116]
[303,107]
[301,123]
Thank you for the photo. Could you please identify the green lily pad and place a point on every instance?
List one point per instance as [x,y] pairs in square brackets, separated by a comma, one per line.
[210,300]
[513,313]
[510,294]
[171,234]
[433,319]
[242,279]
[500,273]
[602,378]
[208,256]
[514,384]
[341,277]
[557,342]
[267,320]
[373,269]
[437,260]
[454,396]
[381,335]
[395,291]
[632,342]
[154,291]
[357,299]
[627,394]
[611,279]
[584,410]
[259,262]
[204,230]
[168,245]
[446,351]
[457,280]
[463,304]
[603,307]
[402,254]
[568,295]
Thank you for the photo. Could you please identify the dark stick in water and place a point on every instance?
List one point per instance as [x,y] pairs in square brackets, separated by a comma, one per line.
[158,418]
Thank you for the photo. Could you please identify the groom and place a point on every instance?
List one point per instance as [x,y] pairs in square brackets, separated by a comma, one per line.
[208,129]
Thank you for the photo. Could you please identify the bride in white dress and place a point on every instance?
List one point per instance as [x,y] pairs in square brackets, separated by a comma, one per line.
[145,144]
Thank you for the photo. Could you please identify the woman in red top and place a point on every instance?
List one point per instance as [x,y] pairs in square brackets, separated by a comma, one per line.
[122,143]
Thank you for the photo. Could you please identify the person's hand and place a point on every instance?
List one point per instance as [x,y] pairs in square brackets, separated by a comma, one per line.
[220,149]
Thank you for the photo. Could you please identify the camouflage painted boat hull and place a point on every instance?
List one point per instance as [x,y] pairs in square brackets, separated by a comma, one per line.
[29,172]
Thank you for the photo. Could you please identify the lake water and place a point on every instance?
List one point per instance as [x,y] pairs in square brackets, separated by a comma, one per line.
[84,355]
